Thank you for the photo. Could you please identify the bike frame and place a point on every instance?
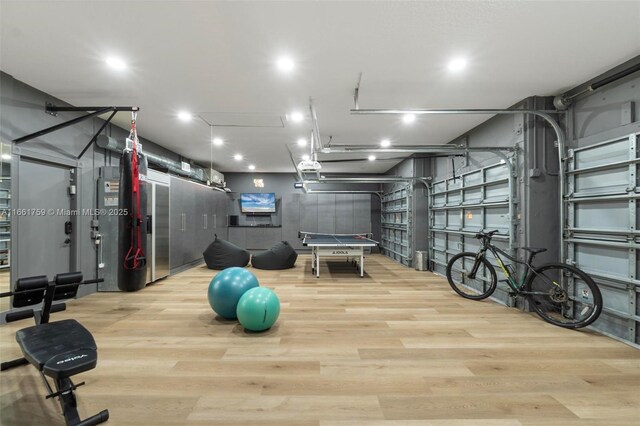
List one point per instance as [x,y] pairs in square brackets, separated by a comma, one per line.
[511,280]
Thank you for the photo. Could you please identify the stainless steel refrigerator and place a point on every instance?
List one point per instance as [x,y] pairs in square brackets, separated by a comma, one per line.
[106,233]
[157,231]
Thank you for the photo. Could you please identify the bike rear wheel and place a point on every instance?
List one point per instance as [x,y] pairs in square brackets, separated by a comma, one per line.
[483,283]
[562,301]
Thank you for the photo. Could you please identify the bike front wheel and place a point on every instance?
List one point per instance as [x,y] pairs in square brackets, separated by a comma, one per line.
[470,284]
[563,295]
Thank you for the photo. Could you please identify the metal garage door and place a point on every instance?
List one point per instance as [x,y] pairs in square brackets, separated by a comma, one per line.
[601,228]
[459,207]
[396,225]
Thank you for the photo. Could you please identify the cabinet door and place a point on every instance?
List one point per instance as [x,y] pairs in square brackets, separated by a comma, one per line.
[238,236]
[222,215]
[291,219]
[176,234]
[309,212]
[327,213]
[212,217]
[361,213]
[189,243]
[344,214]
[272,236]
[202,226]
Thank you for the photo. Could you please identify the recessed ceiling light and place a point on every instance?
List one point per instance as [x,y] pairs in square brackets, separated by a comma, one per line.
[252,167]
[457,64]
[237,157]
[305,157]
[302,142]
[385,143]
[296,117]
[372,158]
[409,118]
[184,116]
[116,63]
[285,64]
[217,141]
[6,156]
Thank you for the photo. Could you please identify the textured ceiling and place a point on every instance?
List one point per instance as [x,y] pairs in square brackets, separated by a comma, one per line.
[217,59]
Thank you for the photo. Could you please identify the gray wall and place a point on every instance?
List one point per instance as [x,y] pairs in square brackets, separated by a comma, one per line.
[279,183]
[605,113]
[282,185]
[22,113]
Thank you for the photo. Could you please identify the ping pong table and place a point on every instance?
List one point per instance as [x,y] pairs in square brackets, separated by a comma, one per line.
[335,245]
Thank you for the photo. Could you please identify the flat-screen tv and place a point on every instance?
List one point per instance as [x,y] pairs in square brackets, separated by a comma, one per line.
[258,202]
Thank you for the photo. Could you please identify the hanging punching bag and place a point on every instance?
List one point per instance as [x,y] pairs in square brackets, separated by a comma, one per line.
[132,241]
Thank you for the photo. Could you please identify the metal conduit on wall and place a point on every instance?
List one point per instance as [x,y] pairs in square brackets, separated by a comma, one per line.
[499,151]
[546,115]
[117,146]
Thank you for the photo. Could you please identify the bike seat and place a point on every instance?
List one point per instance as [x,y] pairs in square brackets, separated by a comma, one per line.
[534,250]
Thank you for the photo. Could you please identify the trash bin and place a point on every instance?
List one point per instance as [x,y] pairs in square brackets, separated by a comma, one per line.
[421,260]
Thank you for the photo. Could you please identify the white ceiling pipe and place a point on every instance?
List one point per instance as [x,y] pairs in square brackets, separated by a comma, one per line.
[544,114]
[360,111]
[322,191]
[345,149]
[376,179]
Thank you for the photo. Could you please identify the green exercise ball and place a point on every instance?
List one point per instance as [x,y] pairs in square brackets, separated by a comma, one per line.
[226,289]
[258,309]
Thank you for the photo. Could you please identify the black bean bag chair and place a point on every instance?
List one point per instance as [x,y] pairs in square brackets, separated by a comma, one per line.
[222,254]
[280,256]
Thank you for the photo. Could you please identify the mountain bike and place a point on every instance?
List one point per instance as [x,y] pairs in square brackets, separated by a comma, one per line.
[560,294]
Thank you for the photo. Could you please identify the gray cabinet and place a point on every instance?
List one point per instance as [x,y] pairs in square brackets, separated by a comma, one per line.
[345,214]
[200,225]
[221,214]
[291,219]
[177,199]
[361,213]
[308,213]
[255,238]
[327,213]
[197,213]
[238,236]
[262,238]
[331,213]
[190,210]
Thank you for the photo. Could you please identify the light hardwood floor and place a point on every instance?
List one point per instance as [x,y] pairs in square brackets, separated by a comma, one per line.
[397,347]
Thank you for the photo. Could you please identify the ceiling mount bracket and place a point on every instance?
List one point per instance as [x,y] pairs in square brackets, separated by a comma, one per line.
[92,111]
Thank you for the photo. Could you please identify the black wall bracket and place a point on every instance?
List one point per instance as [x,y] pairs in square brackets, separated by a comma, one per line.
[92,111]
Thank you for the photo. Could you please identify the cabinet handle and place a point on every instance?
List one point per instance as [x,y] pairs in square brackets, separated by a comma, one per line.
[184,221]
[215,220]
[204,221]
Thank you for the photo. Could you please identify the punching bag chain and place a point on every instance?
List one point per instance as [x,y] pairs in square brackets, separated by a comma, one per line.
[135,256]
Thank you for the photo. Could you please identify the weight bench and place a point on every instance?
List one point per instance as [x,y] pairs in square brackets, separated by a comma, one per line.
[58,349]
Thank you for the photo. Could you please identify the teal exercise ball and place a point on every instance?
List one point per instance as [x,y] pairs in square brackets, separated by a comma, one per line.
[258,309]
[226,289]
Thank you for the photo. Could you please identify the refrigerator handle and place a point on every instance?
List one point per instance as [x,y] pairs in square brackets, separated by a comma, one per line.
[215,220]
[204,221]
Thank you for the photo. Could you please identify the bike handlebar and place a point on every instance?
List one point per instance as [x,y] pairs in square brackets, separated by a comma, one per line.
[489,234]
